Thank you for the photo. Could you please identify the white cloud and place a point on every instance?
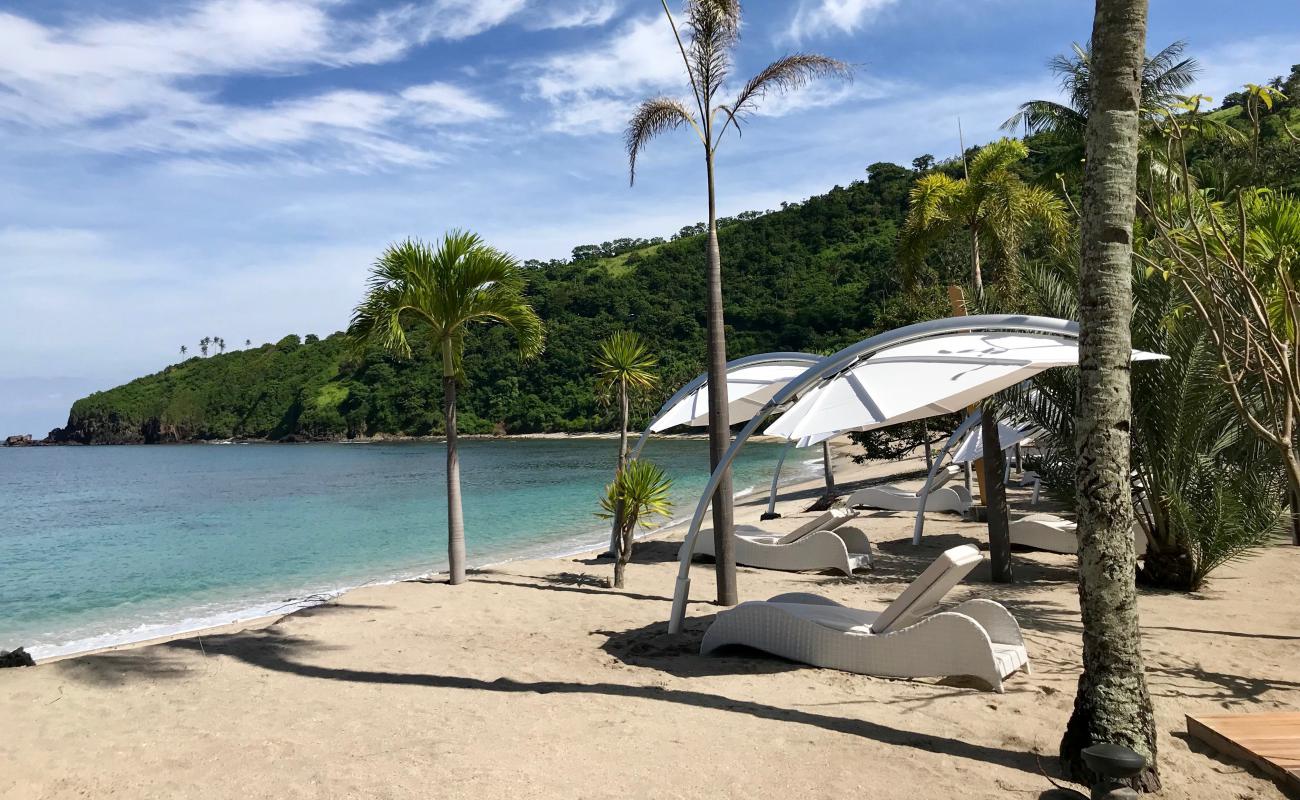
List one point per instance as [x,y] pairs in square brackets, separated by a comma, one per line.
[579,14]
[593,89]
[121,86]
[818,17]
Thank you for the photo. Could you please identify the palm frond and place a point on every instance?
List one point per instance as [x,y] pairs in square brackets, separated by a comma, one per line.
[653,117]
[624,358]
[1037,116]
[787,74]
[713,27]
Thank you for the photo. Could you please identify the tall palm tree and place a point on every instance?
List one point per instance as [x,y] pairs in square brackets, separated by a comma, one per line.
[1112,704]
[447,289]
[203,346]
[623,365]
[184,350]
[712,31]
[1165,76]
[996,210]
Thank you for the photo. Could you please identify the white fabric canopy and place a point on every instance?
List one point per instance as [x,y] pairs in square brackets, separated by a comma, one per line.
[751,382]
[972,445]
[924,378]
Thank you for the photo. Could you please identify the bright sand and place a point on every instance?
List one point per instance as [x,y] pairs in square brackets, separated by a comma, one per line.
[533,681]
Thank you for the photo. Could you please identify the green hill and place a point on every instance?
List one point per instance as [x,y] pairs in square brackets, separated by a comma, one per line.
[811,276]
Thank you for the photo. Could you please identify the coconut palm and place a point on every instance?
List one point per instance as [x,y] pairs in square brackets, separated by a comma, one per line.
[623,366]
[991,205]
[1112,703]
[184,350]
[447,288]
[203,346]
[996,210]
[1165,76]
[712,29]
[638,493]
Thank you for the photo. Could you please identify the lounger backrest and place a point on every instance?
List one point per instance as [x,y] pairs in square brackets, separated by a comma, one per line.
[944,475]
[924,593]
[826,521]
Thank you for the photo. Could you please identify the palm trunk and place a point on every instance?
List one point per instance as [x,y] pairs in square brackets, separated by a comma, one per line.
[1112,704]
[995,499]
[624,554]
[828,468]
[615,536]
[719,422]
[455,518]
[977,276]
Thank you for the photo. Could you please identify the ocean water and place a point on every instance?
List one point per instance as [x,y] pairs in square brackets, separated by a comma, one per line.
[102,545]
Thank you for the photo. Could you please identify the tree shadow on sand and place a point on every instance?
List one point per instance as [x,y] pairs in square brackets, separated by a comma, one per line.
[276,650]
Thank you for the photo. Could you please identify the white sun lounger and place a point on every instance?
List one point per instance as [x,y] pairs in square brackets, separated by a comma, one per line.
[894,498]
[818,544]
[977,638]
[1056,535]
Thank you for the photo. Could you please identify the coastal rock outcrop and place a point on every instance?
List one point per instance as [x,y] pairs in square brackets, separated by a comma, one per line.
[21,440]
[16,658]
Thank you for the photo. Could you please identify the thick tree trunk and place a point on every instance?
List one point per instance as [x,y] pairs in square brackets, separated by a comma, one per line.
[719,422]
[455,518]
[995,499]
[1112,704]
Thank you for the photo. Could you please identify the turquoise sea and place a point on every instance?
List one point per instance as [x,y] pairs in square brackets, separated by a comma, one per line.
[101,545]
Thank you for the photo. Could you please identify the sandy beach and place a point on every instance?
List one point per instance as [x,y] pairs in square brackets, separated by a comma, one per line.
[536,681]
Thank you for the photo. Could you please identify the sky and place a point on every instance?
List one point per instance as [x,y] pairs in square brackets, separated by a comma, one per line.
[174,169]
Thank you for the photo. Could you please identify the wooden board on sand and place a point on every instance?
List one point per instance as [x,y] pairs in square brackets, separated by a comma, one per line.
[1269,741]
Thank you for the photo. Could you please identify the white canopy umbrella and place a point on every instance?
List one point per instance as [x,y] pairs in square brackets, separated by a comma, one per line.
[972,447]
[751,382]
[924,378]
[922,370]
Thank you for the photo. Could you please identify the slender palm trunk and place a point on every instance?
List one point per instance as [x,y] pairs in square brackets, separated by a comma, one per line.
[455,518]
[1113,704]
[995,499]
[719,422]
[976,273]
[616,534]
[828,468]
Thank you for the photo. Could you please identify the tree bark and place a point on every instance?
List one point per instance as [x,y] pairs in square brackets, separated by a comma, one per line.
[719,421]
[1113,704]
[615,539]
[828,468]
[624,554]
[976,273]
[995,499]
[455,517]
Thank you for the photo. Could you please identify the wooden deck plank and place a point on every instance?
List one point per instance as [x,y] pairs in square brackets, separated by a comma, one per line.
[1269,741]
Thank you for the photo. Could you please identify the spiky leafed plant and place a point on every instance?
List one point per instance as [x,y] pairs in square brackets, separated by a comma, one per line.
[624,365]
[712,29]
[1208,493]
[638,493]
[446,288]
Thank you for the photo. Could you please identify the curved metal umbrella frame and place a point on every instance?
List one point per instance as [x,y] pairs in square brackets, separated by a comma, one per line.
[827,369]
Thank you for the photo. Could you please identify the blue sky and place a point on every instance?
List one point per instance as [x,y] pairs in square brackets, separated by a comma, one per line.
[172,170]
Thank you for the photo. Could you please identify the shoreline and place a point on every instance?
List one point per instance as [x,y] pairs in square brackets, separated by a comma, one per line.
[382,438]
[255,616]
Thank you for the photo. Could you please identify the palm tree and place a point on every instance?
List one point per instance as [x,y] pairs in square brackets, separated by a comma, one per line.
[1165,76]
[221,344]
[184,350]
[448,288]
[248,343]
[712,32]
[638,492]
[203,346]
[991,205]
[996,209]
[1112,704]
[623,366]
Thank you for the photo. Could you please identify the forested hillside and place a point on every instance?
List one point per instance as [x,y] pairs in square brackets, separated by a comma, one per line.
[811,276]
[814,276]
